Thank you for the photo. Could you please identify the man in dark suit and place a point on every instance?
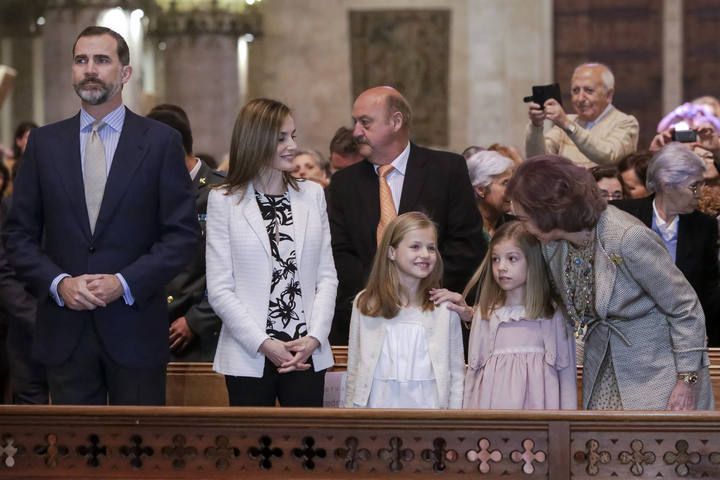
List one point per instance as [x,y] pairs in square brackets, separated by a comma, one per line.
[194,326]
[18,308]
[430,181]
[103,217]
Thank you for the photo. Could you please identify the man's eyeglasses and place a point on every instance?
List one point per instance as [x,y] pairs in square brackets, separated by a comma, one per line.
[611,196]
[696,187]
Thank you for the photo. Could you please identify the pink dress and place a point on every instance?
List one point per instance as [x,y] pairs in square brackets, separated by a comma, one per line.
[516,363]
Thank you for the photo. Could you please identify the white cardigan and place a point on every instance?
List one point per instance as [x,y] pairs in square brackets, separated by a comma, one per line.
[444,337]
[239,272]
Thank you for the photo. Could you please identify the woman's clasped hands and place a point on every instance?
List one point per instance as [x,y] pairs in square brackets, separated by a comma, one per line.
[290,356]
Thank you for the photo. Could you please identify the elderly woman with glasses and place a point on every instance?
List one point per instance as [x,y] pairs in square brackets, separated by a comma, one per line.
[641,321]
[675,177]
[489,174]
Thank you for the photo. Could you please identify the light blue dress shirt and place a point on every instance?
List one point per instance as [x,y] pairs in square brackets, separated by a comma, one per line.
[110,136]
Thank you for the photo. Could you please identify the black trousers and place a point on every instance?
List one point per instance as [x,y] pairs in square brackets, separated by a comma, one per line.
[28,376]
[293,389]
[91,377]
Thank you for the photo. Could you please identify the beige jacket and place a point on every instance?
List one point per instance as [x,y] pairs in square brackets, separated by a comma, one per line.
[613,138]
[444,337]
[649,315]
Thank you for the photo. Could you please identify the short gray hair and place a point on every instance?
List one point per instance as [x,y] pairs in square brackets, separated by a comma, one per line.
[320,160]
[484,165]
[672,166]
[606,74]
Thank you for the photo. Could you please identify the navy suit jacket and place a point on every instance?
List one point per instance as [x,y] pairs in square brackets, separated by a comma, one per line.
[146,230]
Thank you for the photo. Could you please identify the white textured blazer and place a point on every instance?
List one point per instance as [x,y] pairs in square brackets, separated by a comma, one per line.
[444,337]
[239,271]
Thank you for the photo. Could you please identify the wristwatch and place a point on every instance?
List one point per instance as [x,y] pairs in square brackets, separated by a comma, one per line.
[690,378]
[570,128]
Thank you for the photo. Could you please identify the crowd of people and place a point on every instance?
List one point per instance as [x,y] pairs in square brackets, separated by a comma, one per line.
[457,281]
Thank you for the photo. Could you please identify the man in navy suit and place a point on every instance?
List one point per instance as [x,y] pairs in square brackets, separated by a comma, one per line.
[103,217]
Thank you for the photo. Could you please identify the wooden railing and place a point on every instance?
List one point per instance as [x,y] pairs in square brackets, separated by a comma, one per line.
[283,443]
[195,384]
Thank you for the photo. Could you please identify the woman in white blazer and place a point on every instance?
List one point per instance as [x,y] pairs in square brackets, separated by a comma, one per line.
[270,271]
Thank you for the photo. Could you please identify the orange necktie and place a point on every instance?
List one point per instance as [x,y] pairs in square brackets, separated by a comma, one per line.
[387,206]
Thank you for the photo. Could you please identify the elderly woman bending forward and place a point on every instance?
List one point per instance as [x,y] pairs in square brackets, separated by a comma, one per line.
[642,323]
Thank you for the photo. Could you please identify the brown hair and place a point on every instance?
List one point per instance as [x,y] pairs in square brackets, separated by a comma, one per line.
[343,142]
[382,295]
[638,162]
[254,142]
[508,152]
[538,294]
[556,193]
[123,52]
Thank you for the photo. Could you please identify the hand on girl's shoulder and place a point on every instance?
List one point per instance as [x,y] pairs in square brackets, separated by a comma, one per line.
[453,301]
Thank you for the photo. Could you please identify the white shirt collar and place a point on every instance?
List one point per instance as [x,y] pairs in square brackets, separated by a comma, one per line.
[604,113]
[400,162]
[114,119]
[196,168]
[668,230]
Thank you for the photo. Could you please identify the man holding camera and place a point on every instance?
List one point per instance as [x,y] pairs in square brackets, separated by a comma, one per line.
[598,134]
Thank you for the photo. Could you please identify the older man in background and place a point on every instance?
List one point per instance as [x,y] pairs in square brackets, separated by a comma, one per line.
[598,134]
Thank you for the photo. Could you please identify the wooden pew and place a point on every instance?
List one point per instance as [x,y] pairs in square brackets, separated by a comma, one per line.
[195,384]
[83,443]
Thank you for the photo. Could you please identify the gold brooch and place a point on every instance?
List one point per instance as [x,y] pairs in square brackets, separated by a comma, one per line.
[203,180]
[616,259]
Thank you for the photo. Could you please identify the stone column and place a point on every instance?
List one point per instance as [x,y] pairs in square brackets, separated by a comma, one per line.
[62,25]
[19,41]
[198,67]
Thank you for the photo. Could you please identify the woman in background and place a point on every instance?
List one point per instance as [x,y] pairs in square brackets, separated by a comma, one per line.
[489,174]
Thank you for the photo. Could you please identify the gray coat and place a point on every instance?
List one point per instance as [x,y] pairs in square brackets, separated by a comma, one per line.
[647,312]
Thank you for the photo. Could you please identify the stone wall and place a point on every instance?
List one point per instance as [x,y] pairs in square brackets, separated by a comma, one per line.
[497,51]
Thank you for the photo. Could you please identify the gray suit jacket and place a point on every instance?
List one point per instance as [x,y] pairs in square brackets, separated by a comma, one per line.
[647,313]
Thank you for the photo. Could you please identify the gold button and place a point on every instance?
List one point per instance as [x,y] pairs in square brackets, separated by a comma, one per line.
[170,299]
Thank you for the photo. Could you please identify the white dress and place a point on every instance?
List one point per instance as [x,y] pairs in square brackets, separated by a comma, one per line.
[404,376]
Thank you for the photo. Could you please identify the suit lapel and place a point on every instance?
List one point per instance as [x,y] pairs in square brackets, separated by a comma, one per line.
[604,266]
[251,211]
[300,214]
[367,191]
[646,212]
[200,180]
[71,173]
[413,182]
[685,237]
[130,152]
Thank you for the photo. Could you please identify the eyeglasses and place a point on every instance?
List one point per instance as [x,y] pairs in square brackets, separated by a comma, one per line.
[611,196]
[696,187]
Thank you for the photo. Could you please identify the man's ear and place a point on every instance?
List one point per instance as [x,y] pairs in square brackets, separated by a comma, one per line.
[397,120]
[610,93]
[126,73]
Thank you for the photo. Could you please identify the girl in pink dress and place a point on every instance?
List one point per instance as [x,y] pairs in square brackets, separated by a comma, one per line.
[521,353]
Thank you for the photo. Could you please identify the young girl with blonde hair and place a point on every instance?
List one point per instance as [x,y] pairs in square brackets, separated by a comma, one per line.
[521,353]
[404,351]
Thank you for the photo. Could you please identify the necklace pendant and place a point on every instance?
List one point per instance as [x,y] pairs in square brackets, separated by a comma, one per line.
[579,331]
